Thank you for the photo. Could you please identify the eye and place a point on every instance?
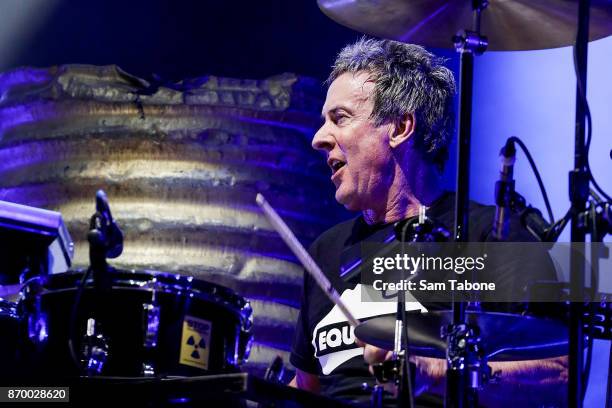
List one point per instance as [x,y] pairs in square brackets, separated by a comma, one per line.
[340,118]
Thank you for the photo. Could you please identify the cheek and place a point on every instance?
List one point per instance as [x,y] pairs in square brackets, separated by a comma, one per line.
[370,158]
[378,160]
[382,172]
[373,173]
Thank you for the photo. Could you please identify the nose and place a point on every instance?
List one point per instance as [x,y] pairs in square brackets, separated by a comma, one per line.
[323,140]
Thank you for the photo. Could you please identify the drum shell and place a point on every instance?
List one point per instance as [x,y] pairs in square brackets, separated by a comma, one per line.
[122,317]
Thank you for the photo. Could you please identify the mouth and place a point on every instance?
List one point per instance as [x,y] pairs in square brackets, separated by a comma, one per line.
[335,165]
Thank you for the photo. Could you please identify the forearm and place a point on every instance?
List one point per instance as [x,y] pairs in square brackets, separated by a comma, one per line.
[528,383]
[520,383]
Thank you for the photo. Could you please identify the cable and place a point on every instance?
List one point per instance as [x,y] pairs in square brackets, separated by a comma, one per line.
[556,229]
[534,168]
[596,197]
[587,111]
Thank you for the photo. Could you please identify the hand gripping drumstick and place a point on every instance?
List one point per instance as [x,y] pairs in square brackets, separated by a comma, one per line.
[305,258]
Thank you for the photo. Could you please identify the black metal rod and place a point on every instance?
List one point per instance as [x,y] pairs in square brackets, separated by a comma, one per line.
[457,381]
[462,198]
[405,397]
[578,196]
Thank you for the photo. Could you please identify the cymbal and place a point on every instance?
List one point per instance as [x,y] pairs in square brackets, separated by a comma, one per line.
[509,25]
[505,337]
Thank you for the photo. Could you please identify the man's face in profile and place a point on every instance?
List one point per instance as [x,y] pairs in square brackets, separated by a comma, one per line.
[357,150]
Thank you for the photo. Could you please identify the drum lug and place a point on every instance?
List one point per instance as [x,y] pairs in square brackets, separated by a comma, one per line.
[151,324]
[245,342]
[247,316]
[37,328]
[148,369]
[94,349]
[245,338]
[37,320]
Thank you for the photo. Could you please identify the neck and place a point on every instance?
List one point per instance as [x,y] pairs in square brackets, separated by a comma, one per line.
[410,189]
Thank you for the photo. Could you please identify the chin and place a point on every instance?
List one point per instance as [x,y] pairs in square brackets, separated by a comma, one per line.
[347,201]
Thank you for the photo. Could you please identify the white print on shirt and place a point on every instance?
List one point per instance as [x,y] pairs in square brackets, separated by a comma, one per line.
[334,339]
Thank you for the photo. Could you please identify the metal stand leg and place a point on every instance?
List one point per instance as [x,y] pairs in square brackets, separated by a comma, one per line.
[579,192]
[468,44]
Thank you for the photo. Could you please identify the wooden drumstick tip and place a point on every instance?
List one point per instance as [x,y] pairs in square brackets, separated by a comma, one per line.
[259,199]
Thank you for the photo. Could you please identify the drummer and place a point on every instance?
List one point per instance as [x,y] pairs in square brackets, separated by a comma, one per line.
[386,132]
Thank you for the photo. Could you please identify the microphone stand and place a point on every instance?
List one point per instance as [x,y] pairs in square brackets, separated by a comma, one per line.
[105,241]
[400,353]
[405,396]
[425,230]
[460,391]
[97,254]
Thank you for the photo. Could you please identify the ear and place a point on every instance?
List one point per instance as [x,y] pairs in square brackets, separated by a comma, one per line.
[402,130]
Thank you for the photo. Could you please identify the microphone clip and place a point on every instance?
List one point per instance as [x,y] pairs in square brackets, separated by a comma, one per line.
[104,235]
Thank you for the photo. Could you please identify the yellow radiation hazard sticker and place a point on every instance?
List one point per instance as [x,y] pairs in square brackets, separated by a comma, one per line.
[195,342]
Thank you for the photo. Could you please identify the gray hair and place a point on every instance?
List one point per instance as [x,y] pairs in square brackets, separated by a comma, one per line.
[407,80]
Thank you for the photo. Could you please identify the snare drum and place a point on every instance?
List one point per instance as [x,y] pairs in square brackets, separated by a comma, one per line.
[144,323]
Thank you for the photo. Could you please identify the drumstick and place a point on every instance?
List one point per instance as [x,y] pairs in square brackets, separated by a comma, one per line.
[305,258]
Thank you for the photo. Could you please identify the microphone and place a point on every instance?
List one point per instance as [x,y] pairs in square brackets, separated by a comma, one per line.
[105,241]
[504,189]
[113,237]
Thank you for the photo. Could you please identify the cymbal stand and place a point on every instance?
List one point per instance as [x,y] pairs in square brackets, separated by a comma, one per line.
[579,193]
[405,397]
[461,384]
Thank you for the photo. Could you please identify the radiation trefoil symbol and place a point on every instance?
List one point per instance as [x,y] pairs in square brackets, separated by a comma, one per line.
[196,346]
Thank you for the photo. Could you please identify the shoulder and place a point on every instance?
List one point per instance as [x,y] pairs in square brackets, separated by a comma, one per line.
[337,235]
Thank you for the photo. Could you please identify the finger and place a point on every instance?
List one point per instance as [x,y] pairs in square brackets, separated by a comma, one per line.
[359,342]
[374,355]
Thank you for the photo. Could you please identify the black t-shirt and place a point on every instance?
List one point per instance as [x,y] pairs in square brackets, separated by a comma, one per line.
[324,343]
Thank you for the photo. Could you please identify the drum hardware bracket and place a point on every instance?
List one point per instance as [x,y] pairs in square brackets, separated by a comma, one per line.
[465,353]
[148,370]
[151,317]
[37,328]
[389,371]
[377,392]
[37,321]
[94,349]
[470,42]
